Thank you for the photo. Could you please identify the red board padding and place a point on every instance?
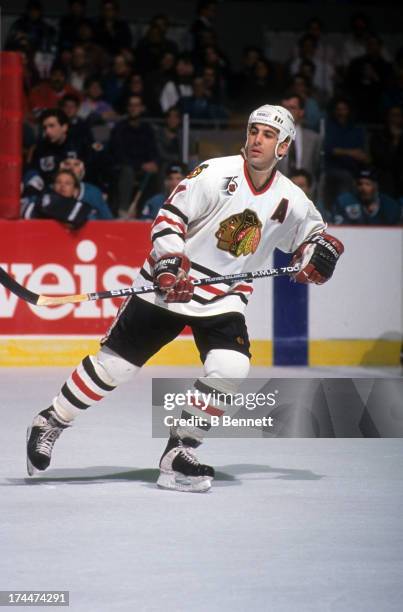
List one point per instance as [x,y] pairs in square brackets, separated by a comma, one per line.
[11,117]
[49,259]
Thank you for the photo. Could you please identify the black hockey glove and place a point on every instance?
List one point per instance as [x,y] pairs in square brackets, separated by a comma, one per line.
[317,257]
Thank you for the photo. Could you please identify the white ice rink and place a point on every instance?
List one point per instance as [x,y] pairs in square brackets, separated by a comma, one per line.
[291,525]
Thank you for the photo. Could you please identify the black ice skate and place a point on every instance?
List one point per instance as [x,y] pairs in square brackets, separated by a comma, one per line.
[41,437]
[180,470]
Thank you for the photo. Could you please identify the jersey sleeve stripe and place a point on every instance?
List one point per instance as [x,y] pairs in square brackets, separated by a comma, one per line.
[162,218]
[166,232]
[173,209]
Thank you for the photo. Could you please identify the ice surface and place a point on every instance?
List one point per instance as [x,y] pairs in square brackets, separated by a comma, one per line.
[290,525]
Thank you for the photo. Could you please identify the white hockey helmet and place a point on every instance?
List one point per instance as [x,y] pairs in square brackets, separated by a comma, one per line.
[277,117]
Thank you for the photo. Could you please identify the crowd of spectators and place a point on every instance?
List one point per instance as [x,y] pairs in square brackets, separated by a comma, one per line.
[88,73]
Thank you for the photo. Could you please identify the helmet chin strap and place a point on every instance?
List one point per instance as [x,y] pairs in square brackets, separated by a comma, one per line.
[277,158]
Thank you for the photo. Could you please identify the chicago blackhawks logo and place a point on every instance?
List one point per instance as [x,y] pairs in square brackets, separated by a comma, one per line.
[240,234]
[197,171]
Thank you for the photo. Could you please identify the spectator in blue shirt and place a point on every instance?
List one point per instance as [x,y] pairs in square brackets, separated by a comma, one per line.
[88,192]
[366,206]
[174,175]
[345,151]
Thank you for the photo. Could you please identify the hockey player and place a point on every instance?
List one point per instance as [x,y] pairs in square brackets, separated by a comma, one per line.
[227,216]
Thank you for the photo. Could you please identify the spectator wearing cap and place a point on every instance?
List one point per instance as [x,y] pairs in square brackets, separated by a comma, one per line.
[175,173]
[366,205]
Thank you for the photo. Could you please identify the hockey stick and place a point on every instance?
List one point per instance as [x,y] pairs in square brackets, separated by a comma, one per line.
[44,300]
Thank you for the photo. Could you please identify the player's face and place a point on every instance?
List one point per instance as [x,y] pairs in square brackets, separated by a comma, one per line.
[53,130]
[64,185]
[261,145]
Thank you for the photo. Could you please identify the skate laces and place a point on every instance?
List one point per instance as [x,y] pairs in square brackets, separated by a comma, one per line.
[188,454]
[47,438]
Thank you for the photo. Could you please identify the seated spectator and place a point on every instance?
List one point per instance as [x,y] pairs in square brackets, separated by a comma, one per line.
[69,24]
[155,82]
[97,57]
[305,151]
[367,77]
[80,69]
[175,173]
[345,150]
[111,32]
[386,148]
[259,88]
[88,192]
[323,78]
[60,201]
[181,86]
[48,93]
[324,49]
[200,106]
[239,80]
[133,153]
[94,109]
[202,30]
[79,129]
[214,87]
[169,139]
[151,48]
[35,35]
[366,205]
[115,83]
[134,87]
[303,180]
[301,86]
[354,43]
[55,144]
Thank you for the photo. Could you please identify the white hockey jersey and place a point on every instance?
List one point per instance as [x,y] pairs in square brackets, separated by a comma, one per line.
[218,219]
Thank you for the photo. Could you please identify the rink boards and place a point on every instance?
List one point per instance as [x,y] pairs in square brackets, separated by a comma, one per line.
[356,319]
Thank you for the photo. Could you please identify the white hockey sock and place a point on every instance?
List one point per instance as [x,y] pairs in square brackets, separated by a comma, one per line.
[91,381]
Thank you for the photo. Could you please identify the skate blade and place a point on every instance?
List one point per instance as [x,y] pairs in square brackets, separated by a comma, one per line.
[30,468]
[187,484]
